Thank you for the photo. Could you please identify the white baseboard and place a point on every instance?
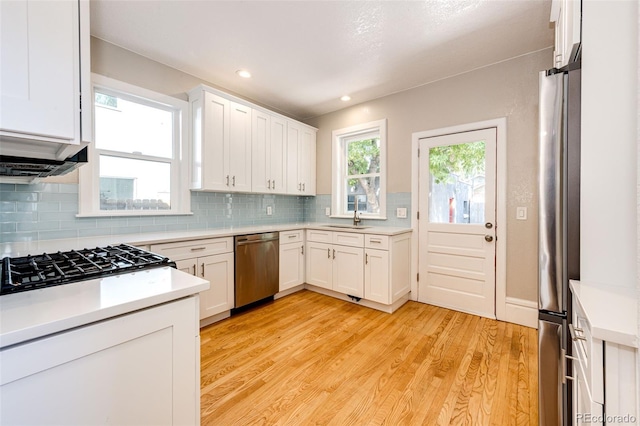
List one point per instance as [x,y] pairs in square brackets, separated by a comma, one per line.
[362,302]
[289,291]
[523,312]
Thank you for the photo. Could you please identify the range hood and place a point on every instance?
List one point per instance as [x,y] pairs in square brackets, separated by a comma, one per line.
[15,169]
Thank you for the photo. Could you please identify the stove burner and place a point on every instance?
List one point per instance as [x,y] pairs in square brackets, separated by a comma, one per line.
[49,269]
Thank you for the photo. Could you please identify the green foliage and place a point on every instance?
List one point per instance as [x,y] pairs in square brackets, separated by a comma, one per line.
[363,157]
[465,160]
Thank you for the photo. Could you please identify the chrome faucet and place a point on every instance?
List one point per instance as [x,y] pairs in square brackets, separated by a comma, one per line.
[356,219]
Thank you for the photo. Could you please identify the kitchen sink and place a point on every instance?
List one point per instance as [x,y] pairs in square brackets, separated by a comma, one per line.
[346,226]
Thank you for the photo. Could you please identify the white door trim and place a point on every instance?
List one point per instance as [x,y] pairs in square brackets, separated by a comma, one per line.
[501,203]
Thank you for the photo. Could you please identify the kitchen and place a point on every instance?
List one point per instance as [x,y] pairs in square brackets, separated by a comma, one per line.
[504,89]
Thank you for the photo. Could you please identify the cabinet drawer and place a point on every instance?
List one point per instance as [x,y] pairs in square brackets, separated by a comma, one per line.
[291,237]
[589,352]
[319,236]
[188,249]
[348,239]
[376,241]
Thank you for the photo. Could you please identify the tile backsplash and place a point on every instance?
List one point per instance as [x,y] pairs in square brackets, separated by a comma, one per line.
[48,211]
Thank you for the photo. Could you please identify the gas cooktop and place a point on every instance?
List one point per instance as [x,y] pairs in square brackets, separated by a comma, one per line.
[50,269]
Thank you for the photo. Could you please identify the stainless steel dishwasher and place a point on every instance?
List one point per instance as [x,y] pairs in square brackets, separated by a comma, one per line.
[257,267]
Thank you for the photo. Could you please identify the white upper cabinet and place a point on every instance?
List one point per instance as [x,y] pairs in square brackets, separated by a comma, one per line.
[241,147]
[221,143]
[269,140]
[44,65]
[301,160]
[567,16]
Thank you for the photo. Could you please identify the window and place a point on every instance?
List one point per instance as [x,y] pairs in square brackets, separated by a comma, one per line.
[359,171]
[137,162]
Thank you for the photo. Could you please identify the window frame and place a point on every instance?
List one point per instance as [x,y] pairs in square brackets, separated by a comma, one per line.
[340,138]
[89,174]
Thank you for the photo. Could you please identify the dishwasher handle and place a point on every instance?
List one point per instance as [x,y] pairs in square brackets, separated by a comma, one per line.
[257,238]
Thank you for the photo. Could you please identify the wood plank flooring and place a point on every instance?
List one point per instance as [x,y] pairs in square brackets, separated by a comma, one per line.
[309,359]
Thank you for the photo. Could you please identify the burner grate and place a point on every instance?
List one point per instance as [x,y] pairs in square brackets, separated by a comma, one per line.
[49,269]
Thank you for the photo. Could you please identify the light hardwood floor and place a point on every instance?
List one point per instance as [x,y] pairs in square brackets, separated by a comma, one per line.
[311,359]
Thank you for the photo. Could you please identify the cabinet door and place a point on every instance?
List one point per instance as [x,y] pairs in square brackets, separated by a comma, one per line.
[319,265]
[583,403]
[376,276]
[187,265]
[348,270]
[215,143]
[260,152]
[291,265]
[278,154]
[294,185]
[139,368]
[307,161]
[239,148]
[40,72]
[218,270]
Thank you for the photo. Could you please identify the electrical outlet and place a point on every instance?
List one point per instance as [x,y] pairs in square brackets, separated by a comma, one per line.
[401,212]
[327,211]
[269,210]
[521,213]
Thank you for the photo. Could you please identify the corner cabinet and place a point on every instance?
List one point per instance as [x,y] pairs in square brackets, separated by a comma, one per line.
[213,260]
[241,147]
[221,146]
[44,68]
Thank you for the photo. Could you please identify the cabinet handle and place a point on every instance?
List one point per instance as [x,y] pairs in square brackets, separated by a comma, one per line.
[269,184]
[194,269]
[198,248]
[302,250]
[292,236]
[274,184]
[234,181]
[303,187]
[328,253]
[574,336]
[202,269]
[299,186]
[227,180]
[366,258]
[334,253]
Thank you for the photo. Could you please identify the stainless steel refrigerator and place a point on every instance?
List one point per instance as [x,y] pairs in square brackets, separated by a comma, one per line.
[559,236]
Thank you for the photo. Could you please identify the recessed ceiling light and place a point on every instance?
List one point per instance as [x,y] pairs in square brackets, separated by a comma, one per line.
[244,73]
[345,98]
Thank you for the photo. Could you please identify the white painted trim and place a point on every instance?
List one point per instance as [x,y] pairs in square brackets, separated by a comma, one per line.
[520,311]
[362,302]
[501,204]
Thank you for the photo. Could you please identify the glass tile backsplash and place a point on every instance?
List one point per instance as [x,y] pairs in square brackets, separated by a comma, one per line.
[48,211]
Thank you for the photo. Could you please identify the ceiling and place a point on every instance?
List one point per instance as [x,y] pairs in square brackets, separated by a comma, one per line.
[305,55]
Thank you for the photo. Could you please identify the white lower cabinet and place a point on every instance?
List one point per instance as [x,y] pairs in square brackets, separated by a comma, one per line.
[319,265]
[376,275]
[292,256]
[134,369]
[213,260]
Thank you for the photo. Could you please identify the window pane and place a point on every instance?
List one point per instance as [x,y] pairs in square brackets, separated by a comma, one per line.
[367,191]
[127,184]
[126,126]
[363,156]
[457,183]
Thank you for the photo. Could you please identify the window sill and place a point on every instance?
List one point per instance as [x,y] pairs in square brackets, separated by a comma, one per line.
[136,213]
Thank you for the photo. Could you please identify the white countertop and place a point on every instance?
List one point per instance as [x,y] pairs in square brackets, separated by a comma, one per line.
[611,312]
[37,313]
[16,249]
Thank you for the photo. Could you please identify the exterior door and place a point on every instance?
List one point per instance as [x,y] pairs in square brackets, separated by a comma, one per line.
[457,204]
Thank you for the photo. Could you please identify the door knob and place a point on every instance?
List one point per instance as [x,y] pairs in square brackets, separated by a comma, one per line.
[488,238]
[488,225]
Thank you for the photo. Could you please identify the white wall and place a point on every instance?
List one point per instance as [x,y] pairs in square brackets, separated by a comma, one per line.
[609,143]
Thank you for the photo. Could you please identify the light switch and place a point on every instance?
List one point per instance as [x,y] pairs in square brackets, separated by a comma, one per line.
[401,212]
[521,213]
[327,211]
[269,210]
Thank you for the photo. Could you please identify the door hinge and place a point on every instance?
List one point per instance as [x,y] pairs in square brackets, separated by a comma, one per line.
[418,215]
[418,276]
[418,152]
